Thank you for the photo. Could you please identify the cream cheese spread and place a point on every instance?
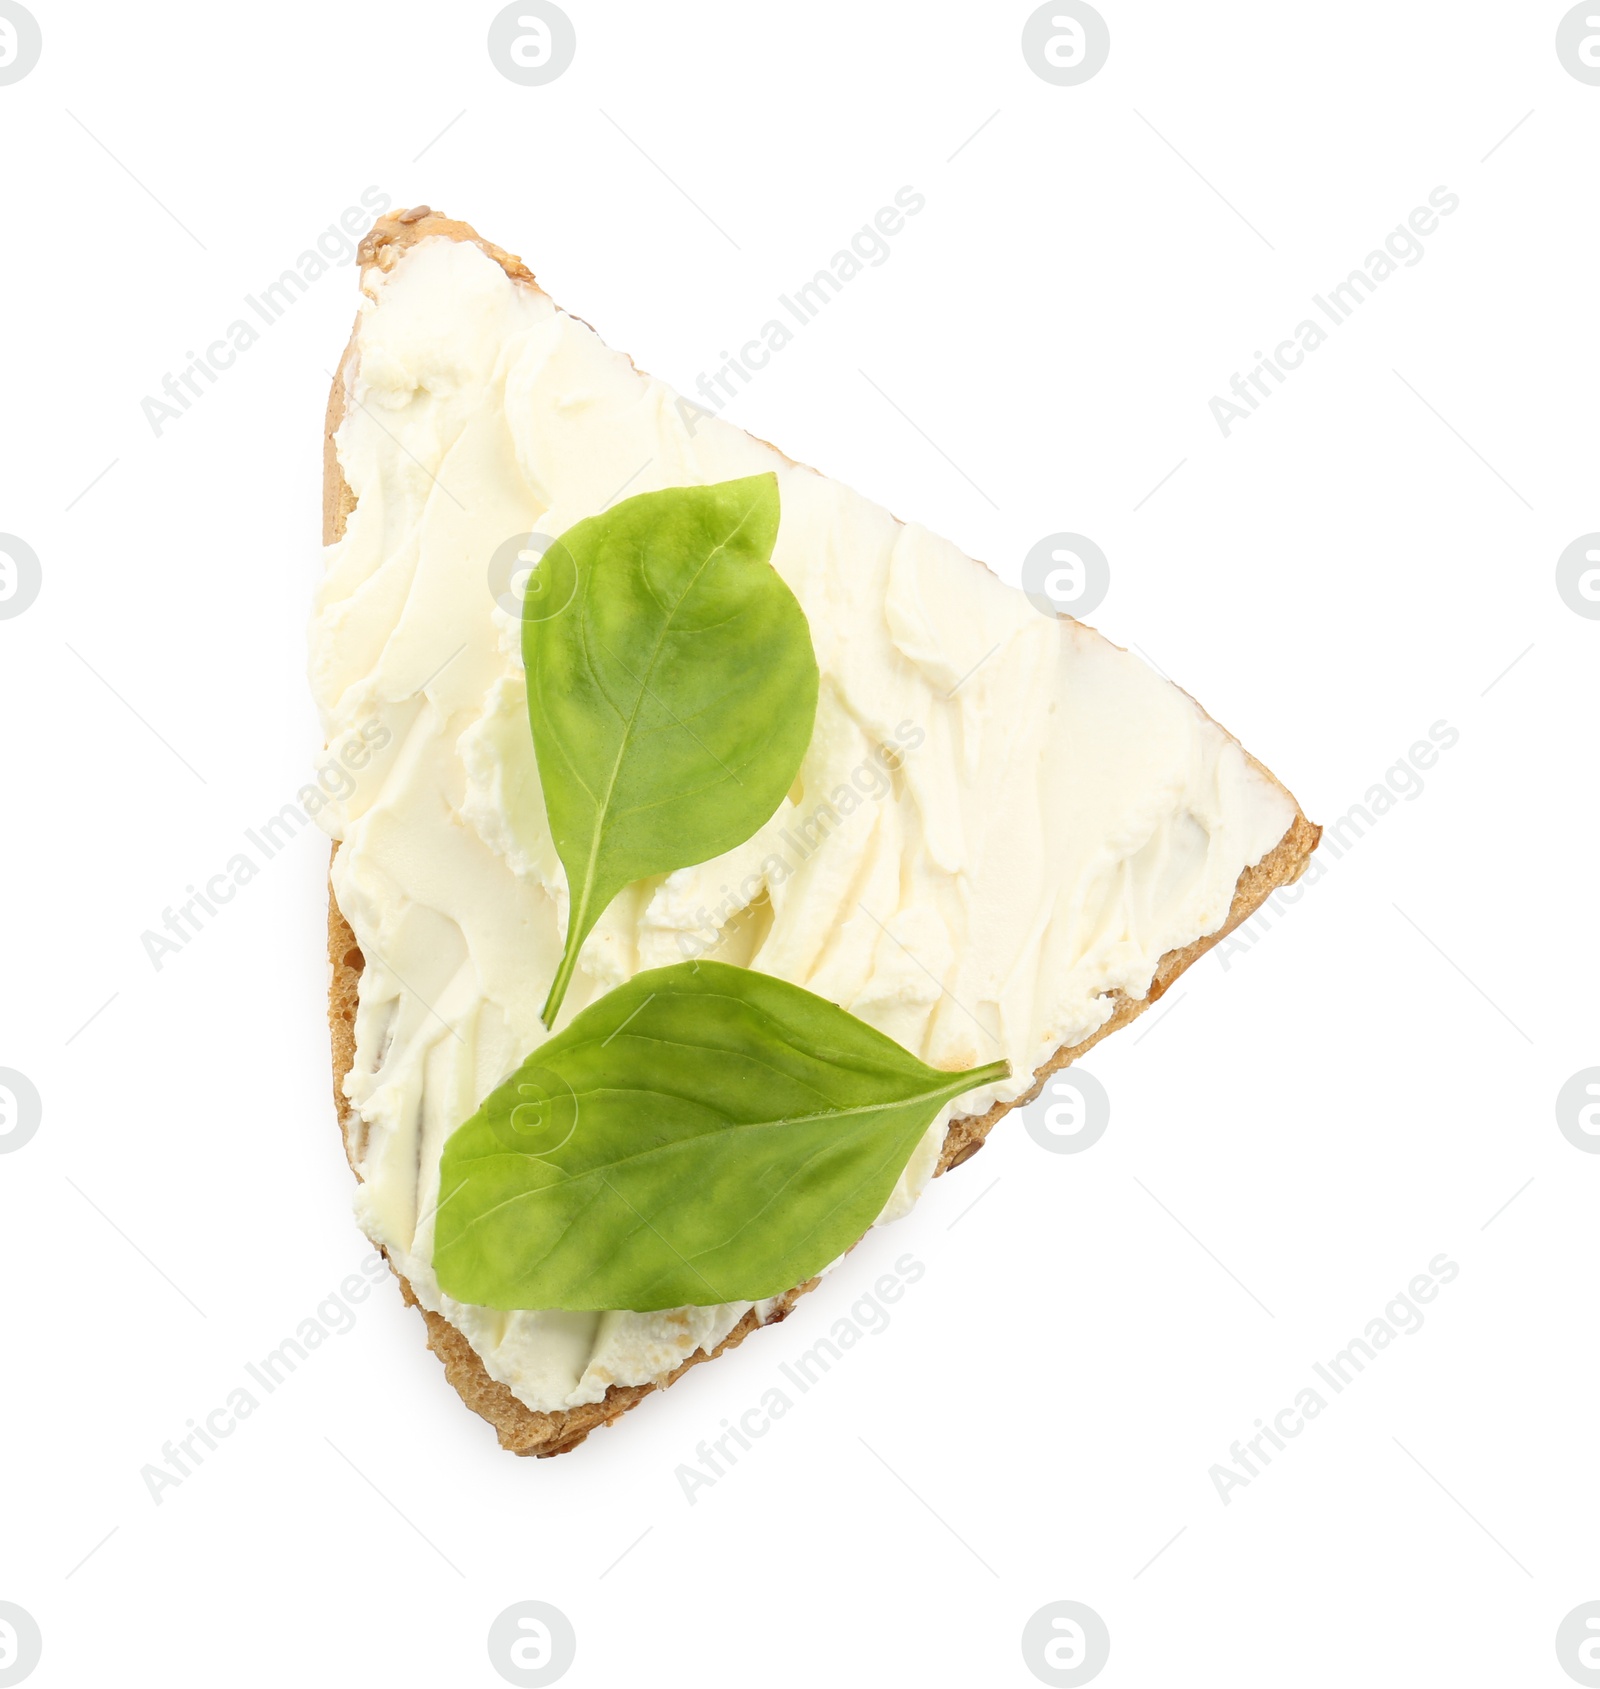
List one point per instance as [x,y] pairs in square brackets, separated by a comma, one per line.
[1002,817]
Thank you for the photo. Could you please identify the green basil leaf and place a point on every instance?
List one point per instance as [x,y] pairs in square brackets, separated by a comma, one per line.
[702,1134]
[672,688]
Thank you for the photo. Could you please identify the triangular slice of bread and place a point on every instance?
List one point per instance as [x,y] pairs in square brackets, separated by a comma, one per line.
[520,1428]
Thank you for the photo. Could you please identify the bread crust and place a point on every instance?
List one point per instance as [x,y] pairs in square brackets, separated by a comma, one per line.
[519,1428]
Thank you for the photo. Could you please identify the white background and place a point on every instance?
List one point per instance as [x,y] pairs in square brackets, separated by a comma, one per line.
[1364,1088]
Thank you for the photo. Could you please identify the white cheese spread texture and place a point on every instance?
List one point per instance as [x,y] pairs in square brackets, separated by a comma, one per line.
[1001,819]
